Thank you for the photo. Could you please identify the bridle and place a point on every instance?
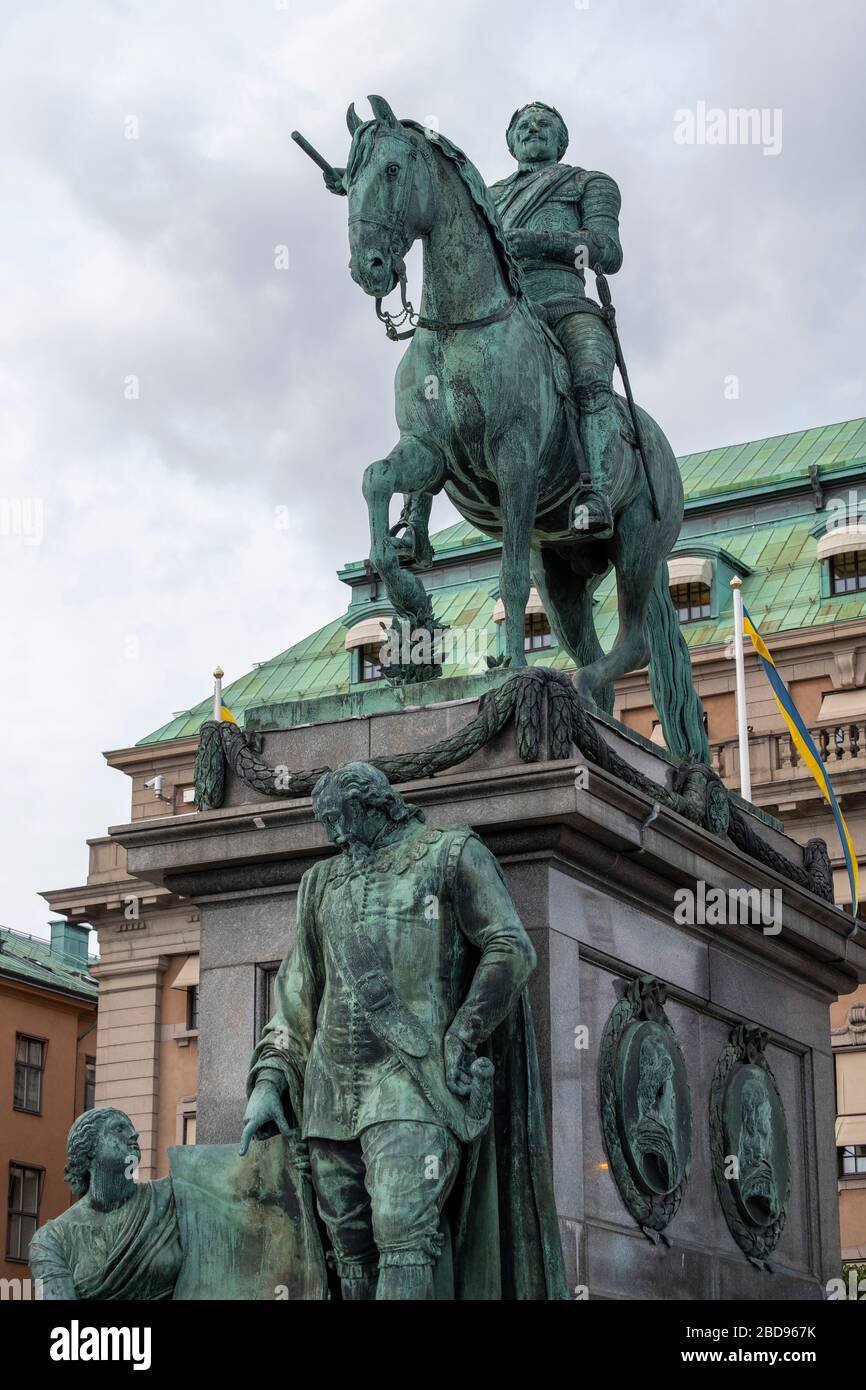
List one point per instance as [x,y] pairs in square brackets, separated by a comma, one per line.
[409,314]
[397,238]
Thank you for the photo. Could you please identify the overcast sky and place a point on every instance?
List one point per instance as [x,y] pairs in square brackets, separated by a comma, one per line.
[138,543]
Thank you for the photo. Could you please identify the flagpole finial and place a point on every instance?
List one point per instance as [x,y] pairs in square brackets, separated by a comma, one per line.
[218,693]
[736,582]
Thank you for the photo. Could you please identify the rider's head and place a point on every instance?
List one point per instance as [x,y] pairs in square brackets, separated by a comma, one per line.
[537,134]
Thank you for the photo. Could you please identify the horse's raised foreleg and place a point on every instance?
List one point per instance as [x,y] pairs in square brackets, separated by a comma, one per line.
[516,468]
[411,467]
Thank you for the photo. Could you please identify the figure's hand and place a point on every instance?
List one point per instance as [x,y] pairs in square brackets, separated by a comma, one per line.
[264,1116]
[458,1061]
[334,181]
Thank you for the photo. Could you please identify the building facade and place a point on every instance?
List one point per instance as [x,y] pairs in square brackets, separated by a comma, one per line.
[781,514]
[48,1049]
[147,1055]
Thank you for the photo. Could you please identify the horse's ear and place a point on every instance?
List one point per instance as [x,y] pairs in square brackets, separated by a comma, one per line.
[353,120]
[382,111]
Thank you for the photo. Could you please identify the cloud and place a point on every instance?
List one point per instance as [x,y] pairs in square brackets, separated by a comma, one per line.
[152,260]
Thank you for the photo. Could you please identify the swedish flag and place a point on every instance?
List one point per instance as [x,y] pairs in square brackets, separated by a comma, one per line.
[805,746]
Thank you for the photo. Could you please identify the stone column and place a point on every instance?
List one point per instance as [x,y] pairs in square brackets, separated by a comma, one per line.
[127,1049]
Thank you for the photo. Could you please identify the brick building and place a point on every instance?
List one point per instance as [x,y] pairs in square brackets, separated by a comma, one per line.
[48,1049]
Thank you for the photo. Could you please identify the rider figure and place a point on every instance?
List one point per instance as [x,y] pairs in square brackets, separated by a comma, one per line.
[558,220]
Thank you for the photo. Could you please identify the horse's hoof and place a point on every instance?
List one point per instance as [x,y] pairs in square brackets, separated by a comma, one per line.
[412,548]
[494,661]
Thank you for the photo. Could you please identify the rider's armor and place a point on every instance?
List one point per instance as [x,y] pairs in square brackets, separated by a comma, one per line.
[577,212]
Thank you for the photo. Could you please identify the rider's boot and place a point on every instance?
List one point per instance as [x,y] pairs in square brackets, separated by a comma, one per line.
[598,427]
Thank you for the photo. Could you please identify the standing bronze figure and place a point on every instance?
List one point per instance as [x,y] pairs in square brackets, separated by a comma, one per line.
[401,1059]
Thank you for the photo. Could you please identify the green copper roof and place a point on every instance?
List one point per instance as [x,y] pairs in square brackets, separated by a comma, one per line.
[782,589]
[782,458]
[31,959]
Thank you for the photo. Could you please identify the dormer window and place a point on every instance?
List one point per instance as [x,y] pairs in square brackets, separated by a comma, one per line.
[692,601]
[690,578]
[537,636]
[371,665]
[842,555]
[848,572]
[364,642]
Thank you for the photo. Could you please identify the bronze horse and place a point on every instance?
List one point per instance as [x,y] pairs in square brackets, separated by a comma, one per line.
[482,405]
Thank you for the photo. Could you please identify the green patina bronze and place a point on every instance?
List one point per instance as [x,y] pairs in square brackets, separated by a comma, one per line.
[402,1058]
[646,1110]
[218,1227]
[504,398]
[749,1145]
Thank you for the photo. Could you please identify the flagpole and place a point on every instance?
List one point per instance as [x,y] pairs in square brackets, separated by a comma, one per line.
[218,692]
[742,725]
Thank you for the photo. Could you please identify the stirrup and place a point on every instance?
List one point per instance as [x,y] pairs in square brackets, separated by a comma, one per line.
[407,545]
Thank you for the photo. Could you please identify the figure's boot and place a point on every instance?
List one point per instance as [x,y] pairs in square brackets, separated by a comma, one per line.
[598,427]
[405,1275]
[358,1282]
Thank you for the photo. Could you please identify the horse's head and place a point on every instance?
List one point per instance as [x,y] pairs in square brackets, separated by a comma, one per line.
[389,179]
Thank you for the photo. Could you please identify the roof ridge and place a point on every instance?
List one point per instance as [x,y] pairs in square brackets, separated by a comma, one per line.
[769,438]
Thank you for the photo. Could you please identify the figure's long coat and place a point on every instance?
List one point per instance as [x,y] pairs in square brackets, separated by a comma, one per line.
[501,1215]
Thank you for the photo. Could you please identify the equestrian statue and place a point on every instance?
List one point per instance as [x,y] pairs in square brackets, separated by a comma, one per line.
[505,400]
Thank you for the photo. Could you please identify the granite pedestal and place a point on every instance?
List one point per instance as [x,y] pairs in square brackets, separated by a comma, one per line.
[593,866]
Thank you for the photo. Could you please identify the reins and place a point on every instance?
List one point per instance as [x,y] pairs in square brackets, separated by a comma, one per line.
[409,314]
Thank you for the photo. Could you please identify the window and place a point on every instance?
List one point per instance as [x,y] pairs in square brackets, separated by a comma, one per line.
[25,1188]
[192,1007]
[536,633]
[370,663]
[848,572]
[692,601]
[29,1065]
[189,1129]
[267,1006]
[270,985]
[852,1161]
[89,1082]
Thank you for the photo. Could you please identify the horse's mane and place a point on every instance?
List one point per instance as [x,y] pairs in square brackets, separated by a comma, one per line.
[361,149]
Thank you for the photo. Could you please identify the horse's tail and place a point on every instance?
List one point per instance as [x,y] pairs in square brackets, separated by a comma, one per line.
[670,678]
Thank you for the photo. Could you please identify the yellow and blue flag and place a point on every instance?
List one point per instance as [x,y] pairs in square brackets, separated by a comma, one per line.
[226,715]
[805,746]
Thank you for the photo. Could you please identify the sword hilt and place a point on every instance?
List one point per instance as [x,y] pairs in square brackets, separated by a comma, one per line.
[603,292]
